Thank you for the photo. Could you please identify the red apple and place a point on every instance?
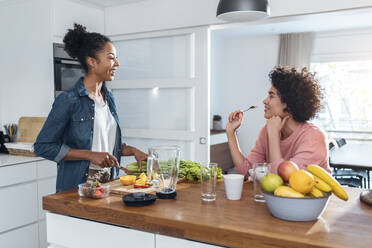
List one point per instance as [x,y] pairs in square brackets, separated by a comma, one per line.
[286,168]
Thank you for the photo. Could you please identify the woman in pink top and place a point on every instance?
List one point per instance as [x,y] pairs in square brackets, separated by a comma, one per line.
[293,99]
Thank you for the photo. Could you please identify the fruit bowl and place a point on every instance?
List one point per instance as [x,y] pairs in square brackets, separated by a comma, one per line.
[94,191]
[296,209]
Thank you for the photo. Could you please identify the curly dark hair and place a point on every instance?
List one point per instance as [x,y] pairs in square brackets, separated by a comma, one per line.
[81,44]
[300,90]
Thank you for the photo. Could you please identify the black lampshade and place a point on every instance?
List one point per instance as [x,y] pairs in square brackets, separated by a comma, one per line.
[242,10]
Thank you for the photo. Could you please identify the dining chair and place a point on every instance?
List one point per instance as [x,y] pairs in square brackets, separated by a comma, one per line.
[341,142]
[348,177]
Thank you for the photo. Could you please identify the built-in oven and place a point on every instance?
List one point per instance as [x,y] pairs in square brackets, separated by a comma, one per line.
[67,70]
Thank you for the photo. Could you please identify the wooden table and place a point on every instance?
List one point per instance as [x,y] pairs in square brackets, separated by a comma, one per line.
[243,223]
[353,156]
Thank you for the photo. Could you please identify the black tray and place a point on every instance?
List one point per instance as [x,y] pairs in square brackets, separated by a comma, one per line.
[139,199]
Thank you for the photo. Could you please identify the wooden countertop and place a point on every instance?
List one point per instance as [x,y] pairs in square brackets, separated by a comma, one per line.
[228,223]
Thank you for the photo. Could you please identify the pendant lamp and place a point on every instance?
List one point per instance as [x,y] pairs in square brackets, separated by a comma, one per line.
[242,10]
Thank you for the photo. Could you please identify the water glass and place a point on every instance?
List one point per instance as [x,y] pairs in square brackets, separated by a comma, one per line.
[259,171]
[208,177]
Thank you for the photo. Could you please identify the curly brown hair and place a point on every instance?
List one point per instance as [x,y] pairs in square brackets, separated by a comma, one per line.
[300,90]
[79,43]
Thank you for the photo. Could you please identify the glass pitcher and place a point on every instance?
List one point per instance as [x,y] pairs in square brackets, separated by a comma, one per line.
[162,168]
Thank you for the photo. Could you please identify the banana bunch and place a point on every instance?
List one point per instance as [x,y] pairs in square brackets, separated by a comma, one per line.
[324,182]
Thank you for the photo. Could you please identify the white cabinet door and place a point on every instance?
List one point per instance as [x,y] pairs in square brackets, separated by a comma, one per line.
[18,173]
[162,90]
[170,242]
[20,238]
[45,187]
[65,231]
[42,234]
[18,206]
[46,168]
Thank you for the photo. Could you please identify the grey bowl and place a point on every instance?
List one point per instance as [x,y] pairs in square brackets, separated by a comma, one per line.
[296,209]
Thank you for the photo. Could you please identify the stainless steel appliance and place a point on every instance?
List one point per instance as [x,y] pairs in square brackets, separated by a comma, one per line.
[66,70]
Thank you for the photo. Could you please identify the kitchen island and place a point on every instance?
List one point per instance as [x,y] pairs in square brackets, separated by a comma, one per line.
[76,221]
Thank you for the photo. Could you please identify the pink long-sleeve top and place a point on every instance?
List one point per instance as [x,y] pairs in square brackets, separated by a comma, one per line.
[306,145]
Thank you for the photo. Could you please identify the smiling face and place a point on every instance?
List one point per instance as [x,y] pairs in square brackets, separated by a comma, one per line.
[273,104]
[105,64]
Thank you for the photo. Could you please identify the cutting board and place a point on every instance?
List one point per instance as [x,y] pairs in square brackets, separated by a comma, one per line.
[116,187]
[29,128]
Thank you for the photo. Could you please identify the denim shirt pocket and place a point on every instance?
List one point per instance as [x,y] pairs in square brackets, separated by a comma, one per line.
[82,129]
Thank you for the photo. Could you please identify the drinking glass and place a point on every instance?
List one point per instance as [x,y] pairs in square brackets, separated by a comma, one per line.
[259,171]
[208,181]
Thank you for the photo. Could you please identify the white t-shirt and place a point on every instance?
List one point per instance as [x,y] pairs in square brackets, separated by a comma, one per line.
[104,131]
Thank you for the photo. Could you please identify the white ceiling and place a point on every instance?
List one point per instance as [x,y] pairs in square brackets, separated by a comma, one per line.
[107,3]
[322,22]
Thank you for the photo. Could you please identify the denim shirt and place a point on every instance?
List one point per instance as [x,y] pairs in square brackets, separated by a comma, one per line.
[70,126]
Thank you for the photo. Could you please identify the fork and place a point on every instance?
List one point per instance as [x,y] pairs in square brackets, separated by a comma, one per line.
[251,107]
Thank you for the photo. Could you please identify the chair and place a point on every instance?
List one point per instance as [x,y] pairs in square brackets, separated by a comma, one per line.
[348,177]
[341,142]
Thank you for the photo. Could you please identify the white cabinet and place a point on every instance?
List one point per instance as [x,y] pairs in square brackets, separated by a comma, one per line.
[18,206]
[42,234]
[22,237]
[170,242]
[84,233]
[46,183]
[18,173]
[22,187]
[45,187]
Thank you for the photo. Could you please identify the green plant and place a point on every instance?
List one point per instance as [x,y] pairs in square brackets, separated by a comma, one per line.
[217,118]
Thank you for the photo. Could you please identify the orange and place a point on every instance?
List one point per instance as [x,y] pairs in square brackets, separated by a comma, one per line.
[128,180]
[302,181]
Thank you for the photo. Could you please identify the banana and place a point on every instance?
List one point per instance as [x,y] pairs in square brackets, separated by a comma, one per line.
[316,192]
[327,178]
[287,192]
[321,185]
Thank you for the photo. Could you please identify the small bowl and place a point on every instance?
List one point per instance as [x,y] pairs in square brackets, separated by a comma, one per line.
[296,209]
[86,189]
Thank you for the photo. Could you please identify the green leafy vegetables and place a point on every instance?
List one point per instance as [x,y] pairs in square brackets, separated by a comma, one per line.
[189,170]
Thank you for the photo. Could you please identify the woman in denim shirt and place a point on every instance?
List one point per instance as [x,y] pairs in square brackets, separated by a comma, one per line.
[82,132]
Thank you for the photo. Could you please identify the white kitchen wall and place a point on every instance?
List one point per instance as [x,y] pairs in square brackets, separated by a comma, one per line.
[239,78]
[67,12]
[28,28]
[26,59]
[154,15]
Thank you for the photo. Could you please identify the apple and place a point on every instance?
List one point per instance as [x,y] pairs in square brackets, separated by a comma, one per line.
[270,182]
[286,168]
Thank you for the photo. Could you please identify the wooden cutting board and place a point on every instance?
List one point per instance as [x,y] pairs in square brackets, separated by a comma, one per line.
[29,128]
[116,187]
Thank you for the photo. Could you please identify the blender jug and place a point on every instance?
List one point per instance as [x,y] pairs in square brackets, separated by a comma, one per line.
[162,169]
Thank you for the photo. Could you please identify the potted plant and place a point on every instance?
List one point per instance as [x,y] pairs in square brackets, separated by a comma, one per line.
[217,122]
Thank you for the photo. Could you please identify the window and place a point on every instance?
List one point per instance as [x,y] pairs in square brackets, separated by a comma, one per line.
[347,108]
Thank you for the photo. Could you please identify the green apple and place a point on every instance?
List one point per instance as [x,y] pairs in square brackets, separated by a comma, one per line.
[271,181]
